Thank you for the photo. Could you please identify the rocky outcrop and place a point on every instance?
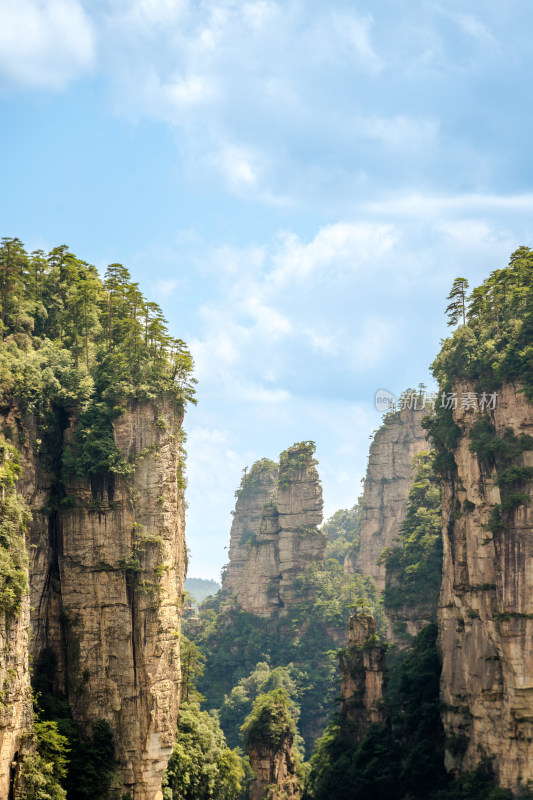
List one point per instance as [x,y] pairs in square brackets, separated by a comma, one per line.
[413,566]
[405,622]
[362,665]
[386,488]
[275,536]
[107,564]
[16,713]
[16,709]
[257,492]
[274,766]
[486,602]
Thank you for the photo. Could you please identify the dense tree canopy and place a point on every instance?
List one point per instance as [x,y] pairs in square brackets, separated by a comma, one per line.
[68,334]
[201,767]
[343,530]
[494,346]
[404,758]
[305,640]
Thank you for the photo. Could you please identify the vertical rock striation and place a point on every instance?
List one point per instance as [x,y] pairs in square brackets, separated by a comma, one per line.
[275,770]
[362,665]
[256,493]
[16,714]
[405,622]
[386,488]
[486,602]
[275,536]
[107,565]
[16,711]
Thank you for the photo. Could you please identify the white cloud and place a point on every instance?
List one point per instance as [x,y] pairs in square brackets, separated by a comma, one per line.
[375,339]
[471,25]
[163,288]
[353,34]
[266,318]
[435,205]
[225,75]
[239,165]
[217,353]
[156,12]
[44,43]
[260,14]
[336,250]
[300,332]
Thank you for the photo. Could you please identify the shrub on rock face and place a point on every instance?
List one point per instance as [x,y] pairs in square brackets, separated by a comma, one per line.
[201,767]
[14,516]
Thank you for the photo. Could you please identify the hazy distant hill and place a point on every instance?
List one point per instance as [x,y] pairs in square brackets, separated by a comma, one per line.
[200,588]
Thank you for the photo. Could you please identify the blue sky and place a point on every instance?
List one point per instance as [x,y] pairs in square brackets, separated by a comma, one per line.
[297,184]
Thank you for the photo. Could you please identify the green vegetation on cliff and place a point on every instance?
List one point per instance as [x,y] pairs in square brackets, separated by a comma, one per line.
[202,766]
[14,517]
[270,720]
[404,758]
[304,639]
[45,770]
[72,342]
[76,350]
[414,565]
[68,335]
[495,344]
[343,530]
[89,766]
[493,347]
[270,732]
[295,458]
[243,697]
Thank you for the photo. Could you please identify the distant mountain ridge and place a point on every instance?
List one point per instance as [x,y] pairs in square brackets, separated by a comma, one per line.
[200,588]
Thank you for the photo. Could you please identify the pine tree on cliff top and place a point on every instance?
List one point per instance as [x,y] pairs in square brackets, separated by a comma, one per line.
[458,302]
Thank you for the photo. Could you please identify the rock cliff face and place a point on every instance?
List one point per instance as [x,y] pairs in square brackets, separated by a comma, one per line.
[16,713]
[386,488]
[407,621]
[275,770]
[486,602]
[257,493]
[107,564]
[362,665]
[275,536]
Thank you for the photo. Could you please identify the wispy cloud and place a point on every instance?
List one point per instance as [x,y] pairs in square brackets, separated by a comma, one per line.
[470,25]
[44,44]
[432,205]
[332,170]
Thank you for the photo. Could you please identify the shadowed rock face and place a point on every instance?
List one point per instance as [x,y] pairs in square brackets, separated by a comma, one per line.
[274,535]
[486,606]
[16,711]
[114,632]
[275,771]
[386,488]
[362,665]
